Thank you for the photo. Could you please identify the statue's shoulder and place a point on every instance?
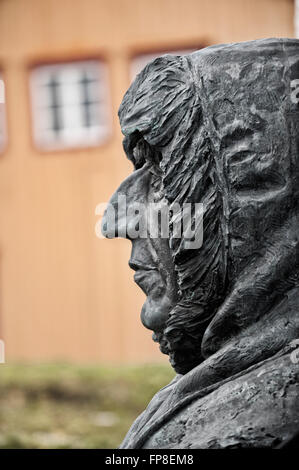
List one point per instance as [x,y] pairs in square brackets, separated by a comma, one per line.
[257,409]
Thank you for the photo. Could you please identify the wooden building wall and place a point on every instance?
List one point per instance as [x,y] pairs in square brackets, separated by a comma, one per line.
[64,294]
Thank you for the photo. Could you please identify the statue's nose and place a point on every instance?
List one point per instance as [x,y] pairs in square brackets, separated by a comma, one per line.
[133,189]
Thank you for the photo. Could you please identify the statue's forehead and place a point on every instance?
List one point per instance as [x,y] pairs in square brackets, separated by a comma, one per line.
[233,70]
[249,50]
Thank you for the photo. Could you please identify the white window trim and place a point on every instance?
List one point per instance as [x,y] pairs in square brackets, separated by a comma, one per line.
[90,137]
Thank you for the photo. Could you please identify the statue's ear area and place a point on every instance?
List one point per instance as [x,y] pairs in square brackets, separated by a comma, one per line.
[261,285]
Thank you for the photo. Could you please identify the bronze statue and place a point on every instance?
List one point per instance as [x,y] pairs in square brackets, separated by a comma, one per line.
[219,127]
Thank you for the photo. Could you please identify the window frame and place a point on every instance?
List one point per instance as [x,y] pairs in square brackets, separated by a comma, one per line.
[60,62]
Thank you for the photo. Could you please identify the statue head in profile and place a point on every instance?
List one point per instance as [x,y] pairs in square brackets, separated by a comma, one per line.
[217,127]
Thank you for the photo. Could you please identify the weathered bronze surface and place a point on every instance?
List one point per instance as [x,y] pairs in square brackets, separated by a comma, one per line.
[220,127]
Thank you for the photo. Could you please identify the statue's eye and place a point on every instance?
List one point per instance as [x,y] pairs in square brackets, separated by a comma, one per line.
[145,153]
[138,158]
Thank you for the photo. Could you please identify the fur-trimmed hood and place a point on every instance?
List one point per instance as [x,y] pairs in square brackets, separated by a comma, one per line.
[226,126]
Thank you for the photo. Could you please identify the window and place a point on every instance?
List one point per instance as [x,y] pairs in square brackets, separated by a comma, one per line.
[139,61]
[69,104]
[2,115]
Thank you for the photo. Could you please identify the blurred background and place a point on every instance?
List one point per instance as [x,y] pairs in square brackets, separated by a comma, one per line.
[69,309]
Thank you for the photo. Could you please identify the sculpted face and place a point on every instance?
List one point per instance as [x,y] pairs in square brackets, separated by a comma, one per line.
[150,257]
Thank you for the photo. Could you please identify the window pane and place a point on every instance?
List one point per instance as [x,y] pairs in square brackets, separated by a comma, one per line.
[68,101]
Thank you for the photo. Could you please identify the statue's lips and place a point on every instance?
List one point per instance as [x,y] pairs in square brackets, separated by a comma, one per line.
[155,308]
[143,279]
[148,278]
[136,266]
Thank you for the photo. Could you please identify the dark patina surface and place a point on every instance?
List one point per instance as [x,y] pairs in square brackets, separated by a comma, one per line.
[220,127]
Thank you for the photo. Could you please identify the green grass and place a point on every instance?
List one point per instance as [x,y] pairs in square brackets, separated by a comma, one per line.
[70,406]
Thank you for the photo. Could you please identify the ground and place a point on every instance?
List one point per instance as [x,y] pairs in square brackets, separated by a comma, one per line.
[68,406]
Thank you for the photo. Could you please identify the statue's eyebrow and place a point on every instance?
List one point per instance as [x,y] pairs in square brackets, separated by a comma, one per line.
[235,135]
[241,129]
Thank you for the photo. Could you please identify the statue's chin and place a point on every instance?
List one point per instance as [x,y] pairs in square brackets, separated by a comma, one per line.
[155,312]
[182,348]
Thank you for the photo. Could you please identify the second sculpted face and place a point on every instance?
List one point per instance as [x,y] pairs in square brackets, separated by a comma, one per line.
[150,257]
